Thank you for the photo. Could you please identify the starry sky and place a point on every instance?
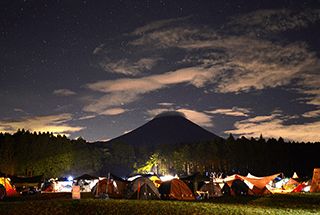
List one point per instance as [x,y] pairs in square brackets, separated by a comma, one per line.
[98,69]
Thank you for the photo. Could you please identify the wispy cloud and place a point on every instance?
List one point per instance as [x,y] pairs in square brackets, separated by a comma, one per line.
[127,67]
[312,114]
[275,126]
[57,124]
[123,91]
[214,57]
[235,111]
[198,117]
[87,117]
[274,21]
[64,92]
[18,110]
[166,104]
[157,25]
[113,111]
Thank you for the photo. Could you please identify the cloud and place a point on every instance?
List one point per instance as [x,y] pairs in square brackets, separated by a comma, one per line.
[274,21]
[18,110]
[126,90]
[113,111]
[127,67]
[312,114]
[115,99]
[212,58]
[87,117]
[98,49]
[157,24]
[166,104]
[64,92]
[275,126]
[243,62]
[235,111]
[57,124]
[196,76]
[200,118]
[311,87]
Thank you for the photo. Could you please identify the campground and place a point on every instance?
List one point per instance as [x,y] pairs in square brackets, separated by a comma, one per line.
[62,203]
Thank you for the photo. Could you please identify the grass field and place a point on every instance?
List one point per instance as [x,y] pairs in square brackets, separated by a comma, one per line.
[63,204]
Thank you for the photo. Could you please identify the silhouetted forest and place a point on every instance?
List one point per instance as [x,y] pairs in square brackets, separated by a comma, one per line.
[258,156]
[25,153]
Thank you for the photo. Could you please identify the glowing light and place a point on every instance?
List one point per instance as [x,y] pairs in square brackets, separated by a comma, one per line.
[70,178]
[168,177]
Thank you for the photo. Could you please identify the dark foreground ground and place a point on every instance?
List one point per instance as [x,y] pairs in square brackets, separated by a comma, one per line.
[63,204]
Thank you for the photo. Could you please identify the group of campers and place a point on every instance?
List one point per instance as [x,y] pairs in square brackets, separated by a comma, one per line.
[152,186]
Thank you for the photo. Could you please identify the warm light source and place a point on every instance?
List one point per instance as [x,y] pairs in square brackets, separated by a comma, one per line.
[168,177]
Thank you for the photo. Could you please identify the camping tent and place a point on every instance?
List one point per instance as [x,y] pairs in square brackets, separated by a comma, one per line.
[116,187]
[175,189]
[315,184]
[9,189]
[86,182]
[212,189]
[142,188]
[295,176]
[30,183]
[256,185]
[239,187]
[156,180]
[195,181]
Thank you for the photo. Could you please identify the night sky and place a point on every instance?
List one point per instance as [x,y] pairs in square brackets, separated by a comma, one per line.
[98,69]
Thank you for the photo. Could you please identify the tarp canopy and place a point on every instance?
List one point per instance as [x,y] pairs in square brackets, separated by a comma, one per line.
[261,182]
[257,185]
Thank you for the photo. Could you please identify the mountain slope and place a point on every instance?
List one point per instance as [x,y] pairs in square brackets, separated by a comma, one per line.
[166,128]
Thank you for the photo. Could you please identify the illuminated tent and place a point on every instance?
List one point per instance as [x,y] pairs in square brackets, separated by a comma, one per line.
[86,182]
[291,184]
[315,184]
[142,188]
[7,188]
[116,187]
[256,185]
[156,180]
[295,175]
[22,182]
[153,177]
[175,189]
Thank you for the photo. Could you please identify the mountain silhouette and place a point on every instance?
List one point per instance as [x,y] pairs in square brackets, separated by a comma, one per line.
[166,128]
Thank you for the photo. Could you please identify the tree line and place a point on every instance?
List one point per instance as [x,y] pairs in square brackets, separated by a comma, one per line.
[242,155]
[26,153]
[29,154]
